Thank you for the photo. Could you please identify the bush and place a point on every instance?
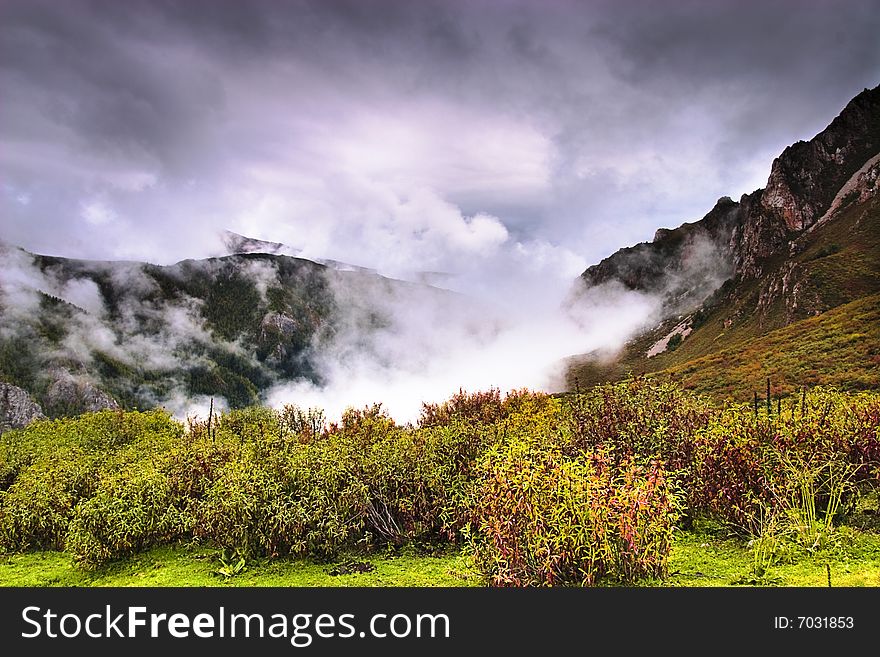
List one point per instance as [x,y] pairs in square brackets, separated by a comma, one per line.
[639,418]
[301,500]
[131,510]
[730,463]
[747,463]
[480,407]
[546,490]
[405,489]
[543,519]
[642,421]
[36,509]
[92,433]
[51,467]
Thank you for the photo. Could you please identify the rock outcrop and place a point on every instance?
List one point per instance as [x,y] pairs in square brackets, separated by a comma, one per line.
[70,396]
[279,333]
[757,236]
[17,409]
[806,176]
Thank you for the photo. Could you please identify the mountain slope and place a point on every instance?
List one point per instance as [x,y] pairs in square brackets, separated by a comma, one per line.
[80,335]
[806,243]
[840,347]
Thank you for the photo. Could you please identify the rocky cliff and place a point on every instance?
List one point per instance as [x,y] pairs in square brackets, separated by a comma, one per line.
[17,409]
[809,183]
[806,176]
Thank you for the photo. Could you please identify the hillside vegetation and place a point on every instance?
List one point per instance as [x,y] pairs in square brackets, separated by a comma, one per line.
[82,335]
[838,348]
[736,341]
[585,489]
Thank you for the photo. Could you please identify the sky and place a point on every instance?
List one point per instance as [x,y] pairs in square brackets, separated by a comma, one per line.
[508,143]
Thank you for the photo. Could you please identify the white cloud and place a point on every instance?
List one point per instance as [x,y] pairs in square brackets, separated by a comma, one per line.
[97,212]
[83,293]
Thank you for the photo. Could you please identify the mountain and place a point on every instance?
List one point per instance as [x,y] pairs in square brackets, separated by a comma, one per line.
[808,242]
[236,244]
[78,335]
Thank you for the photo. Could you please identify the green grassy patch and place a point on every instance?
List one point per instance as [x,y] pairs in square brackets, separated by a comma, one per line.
[707,556]
[715,559]
[198,566]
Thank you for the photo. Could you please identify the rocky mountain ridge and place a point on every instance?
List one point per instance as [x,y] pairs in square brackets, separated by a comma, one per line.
[749,236]
[807,242]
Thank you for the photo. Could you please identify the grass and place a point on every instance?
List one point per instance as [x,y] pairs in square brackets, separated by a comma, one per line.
[705,556]
[197,566]
[709,558]
[840,348]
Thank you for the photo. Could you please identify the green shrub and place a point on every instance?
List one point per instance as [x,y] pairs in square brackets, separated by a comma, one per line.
[454,451]
[195,463]
[236,512]
[458,445]
[36,509]
[543,519]
[300,500]
[131,510]
[101,432]
[405,489]
[746,464]
[51,467]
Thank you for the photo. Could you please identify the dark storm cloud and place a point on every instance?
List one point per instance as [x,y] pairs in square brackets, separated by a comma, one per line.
[402,135]
[780,70]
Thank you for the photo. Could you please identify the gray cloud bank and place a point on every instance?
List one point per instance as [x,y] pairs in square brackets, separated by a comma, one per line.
[405,135]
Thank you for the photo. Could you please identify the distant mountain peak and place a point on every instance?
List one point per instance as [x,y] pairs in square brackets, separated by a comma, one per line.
[236,244]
